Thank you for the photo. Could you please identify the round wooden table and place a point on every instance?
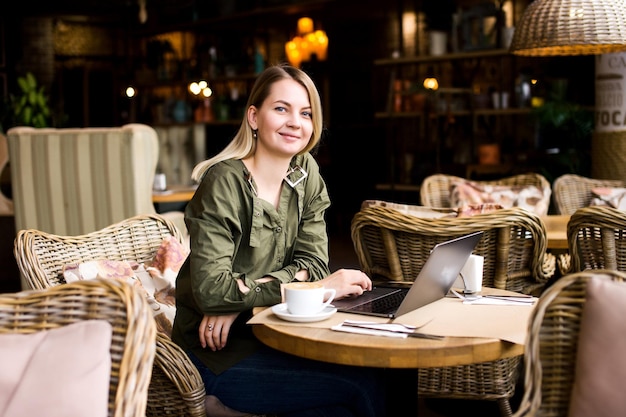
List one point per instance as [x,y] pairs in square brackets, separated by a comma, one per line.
[400,357]
[383,352]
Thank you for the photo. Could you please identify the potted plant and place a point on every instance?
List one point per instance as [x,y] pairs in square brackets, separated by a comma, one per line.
[564,130]
[29,107]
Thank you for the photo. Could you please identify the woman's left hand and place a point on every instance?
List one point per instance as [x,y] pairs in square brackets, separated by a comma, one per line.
[213,330]
[348,282]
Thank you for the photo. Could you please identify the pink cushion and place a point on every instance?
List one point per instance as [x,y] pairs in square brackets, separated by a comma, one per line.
[62,372]
[609,196]
[530,197]
[473,209]
[600,365]
[157,278]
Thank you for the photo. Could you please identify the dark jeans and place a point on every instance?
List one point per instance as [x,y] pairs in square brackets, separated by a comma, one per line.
[273,382]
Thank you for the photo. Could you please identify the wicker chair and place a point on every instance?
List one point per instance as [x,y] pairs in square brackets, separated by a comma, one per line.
[596,240]
[132,345]
[552,344]
[176,388]
[435,189]
[572,192]
[393,246]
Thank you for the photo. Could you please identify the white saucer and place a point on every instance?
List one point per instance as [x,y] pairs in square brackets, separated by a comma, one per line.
[281,311]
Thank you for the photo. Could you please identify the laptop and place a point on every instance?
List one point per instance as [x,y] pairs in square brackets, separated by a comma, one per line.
[441,269]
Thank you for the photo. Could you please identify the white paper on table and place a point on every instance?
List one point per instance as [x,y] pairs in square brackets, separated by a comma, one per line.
[510,301]
[372,332]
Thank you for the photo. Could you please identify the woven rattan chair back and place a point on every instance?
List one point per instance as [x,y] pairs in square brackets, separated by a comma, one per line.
[572,192]
[132,344]
[435,189]
[552,344]
[393,246]
[176,388]
[41,256]
[596,239]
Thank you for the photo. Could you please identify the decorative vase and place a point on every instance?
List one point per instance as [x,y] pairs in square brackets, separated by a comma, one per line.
[438,42]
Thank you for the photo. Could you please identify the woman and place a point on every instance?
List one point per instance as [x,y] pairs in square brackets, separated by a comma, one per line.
[257,222]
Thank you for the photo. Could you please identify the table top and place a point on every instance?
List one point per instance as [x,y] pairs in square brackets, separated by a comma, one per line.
[174,194]
[323,344]
[556,230]
[384,352]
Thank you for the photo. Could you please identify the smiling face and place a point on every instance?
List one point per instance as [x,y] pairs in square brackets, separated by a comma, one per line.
[284,121]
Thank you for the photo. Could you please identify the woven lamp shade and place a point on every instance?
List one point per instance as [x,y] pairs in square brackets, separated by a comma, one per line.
[571,27]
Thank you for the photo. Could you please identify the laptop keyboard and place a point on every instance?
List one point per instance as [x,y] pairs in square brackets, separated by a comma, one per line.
[383,305]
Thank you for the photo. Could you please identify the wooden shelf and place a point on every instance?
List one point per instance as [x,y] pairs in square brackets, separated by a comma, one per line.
[476,112]
[486,53]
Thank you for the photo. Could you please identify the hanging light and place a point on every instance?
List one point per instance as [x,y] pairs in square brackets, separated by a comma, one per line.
[571,27]
[307,44]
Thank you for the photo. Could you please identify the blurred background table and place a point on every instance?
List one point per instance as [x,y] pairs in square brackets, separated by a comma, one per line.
[174,194]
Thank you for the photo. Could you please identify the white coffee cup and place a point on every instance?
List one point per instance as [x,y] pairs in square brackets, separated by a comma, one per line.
[307,298]
[472,274]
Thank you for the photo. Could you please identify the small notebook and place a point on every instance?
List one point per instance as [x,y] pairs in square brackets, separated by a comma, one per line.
[433,282]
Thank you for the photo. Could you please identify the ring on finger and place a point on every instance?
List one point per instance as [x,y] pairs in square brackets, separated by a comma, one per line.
[210,327]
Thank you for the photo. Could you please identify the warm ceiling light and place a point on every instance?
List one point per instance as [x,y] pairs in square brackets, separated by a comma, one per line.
[305,25]
[307,44]
[571,27]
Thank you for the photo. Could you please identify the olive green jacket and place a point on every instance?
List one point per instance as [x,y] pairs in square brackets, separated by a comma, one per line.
[236,235]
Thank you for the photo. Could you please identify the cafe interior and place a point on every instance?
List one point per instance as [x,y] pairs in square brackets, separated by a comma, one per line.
[441,118]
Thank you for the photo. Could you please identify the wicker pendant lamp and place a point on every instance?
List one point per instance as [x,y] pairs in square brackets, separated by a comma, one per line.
[571,27]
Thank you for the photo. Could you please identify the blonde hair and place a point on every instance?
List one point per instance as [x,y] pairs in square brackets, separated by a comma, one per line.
[243,144]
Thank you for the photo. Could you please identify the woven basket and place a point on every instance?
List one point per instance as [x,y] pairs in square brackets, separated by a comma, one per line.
[571,27]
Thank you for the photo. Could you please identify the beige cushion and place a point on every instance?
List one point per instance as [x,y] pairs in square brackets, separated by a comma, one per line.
[609,196]
[62,372]
[156,279]
[601,366]
[530,197]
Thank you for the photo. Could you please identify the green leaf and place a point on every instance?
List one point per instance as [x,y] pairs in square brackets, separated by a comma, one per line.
[21,81]
[27,115]
[32,98]
[31,81]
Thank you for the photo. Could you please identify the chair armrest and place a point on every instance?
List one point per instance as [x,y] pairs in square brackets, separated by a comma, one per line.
[176,383]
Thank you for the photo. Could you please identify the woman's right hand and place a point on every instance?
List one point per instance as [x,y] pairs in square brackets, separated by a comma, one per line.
[213,330]
[348,282]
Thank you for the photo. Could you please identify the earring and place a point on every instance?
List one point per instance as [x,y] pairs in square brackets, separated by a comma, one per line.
[254,133]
